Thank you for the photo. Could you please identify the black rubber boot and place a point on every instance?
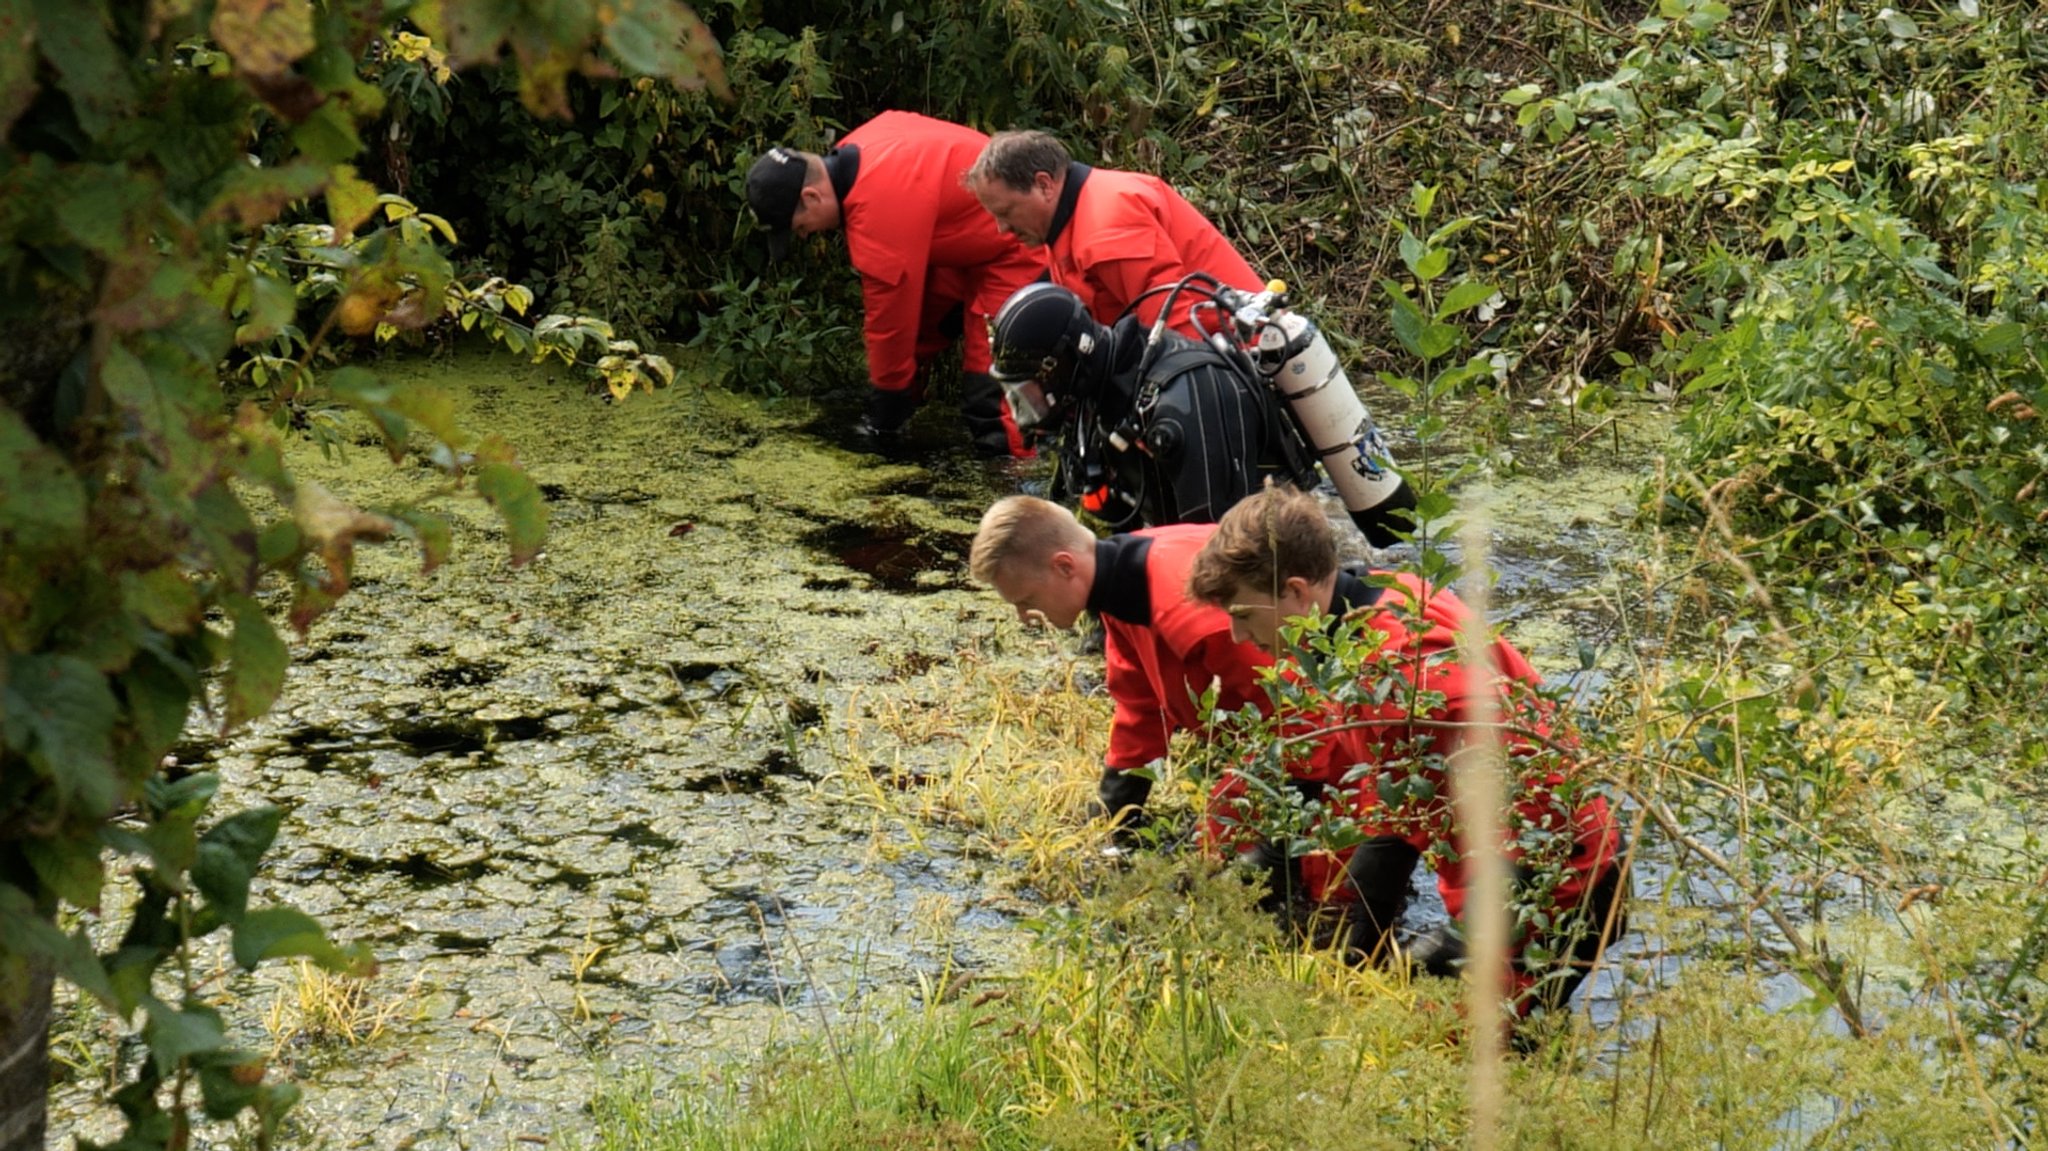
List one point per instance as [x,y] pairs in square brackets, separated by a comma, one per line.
[1379,874]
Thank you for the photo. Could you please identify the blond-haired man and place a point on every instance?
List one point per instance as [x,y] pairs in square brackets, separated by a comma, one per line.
[1163,649]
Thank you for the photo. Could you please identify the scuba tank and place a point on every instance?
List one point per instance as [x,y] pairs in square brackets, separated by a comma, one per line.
[1286,349]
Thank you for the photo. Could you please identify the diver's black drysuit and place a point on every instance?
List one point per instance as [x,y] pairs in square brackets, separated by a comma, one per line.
[1211,434]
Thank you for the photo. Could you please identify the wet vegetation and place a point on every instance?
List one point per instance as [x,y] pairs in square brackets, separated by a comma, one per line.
[692,797]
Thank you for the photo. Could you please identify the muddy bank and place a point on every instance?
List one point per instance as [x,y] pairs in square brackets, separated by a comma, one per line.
[592,814]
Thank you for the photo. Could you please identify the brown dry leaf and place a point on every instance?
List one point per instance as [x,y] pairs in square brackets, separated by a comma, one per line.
[264,37]
[331,528]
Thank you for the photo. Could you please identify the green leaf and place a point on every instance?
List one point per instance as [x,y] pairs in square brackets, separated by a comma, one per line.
[1999,338]
[647,36]
[96,205]
[432,408]
[1413,250]
[1408,320]
[362,390]
[256,662]
[350,200]
[68,868]
[328,135]
[275,932]
[90,69]
[1435,262]
[159,688]
[174,1035]
[222,877]
[42,504]
[278,543]
[248,834]
[255,196]
[1517,96]
[430,530]
[1438,339]
[272,304]
[518,501]
[184,798]
[32,935]
[1462,297]
[229,854]
[222,1090]
[472,29]
[59,710]
[17,67]
[222,523]
[163,597]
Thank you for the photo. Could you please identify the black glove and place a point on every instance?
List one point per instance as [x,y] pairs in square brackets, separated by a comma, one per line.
[886,413]
[1121,796]
[1439,951]
[1278,877]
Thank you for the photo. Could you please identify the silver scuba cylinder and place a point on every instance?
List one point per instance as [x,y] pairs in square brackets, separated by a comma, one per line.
[1305,372]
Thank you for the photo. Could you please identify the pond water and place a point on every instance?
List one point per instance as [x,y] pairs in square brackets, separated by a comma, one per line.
[582,810]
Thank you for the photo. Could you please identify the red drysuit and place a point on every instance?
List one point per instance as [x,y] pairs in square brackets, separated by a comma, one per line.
[1382,744]
[1116,234]
[922,243]
[1163,648]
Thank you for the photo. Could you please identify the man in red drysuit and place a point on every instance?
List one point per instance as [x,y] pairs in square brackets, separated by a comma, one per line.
[1109,237]
[1379,758]
[927,255]
[1162,649]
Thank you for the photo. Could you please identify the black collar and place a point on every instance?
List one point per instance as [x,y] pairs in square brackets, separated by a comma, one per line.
[1077,175]
[1121,589]
[1351,593]
[842,165]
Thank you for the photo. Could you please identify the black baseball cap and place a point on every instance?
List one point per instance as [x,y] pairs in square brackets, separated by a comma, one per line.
[774,185]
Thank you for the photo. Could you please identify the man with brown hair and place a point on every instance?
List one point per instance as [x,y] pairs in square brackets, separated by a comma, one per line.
[1109,236]
[1380,759]
[1163,650]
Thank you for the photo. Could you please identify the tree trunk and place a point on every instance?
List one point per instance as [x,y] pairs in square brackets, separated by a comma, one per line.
[25,1064]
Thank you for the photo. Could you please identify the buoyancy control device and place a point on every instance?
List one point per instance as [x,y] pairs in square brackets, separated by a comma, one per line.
[1261,332]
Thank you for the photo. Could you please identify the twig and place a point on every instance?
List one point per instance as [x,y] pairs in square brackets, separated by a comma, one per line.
[1581,17]
[1760,900]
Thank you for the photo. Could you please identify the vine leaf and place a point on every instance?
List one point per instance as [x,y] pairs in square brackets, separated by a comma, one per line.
[280,931]
[33,938]
[256,662]
[89,67]
[58,709]
[17,61]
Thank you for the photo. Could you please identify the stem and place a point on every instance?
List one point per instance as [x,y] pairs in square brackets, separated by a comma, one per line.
[1478,768]
[1760,899]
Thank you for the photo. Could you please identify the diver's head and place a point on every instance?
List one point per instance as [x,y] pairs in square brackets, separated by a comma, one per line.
[1046,350]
